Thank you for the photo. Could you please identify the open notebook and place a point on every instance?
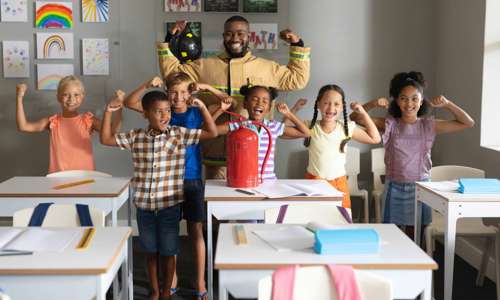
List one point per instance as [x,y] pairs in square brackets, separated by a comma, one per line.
[36,239]
[275,189]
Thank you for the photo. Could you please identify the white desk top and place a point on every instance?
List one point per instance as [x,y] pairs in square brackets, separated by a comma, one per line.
[39,186]
[460,197]
[217,190]
[96,259]
[397,251]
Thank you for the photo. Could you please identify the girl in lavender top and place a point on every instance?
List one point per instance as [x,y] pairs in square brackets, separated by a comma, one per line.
[408,136]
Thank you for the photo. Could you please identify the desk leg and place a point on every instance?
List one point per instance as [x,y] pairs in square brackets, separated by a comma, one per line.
[209,253]
[427,293]
[450,219]
[418,217]
[223,293]
[114,223]
[125,274]
[130,248]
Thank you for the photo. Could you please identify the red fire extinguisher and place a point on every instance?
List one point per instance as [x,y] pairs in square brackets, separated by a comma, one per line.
[242,150]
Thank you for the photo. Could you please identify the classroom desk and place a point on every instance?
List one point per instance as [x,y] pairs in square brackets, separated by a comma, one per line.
[106,194]
[70,274]
[452,205]
[225,203]
[404,264]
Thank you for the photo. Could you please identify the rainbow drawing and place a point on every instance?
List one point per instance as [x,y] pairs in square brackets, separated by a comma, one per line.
[55,41]
[54,45]
[49,75]
[54,15]
[95,10]
[49,82]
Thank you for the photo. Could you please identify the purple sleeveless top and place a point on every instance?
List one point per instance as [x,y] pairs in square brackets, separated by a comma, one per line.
[408,149]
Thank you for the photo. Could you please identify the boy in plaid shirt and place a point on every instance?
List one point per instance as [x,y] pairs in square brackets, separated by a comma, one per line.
[158,154]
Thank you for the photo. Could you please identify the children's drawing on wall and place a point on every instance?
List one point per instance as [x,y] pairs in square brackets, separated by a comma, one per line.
[95,56]
[14,10]
[54,15]
[183,5]
[54,45]
[264,6]
[95,10]
[16,59]
[221,5]
[263,36]
[49,75]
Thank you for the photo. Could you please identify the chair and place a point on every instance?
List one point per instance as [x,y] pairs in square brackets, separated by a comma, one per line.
[465,226]
[58,215]
[79,173]
[305,213]
[353,170]
[315,283]
[378,170]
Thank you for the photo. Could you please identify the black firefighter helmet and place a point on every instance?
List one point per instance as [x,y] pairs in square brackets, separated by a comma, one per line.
[186,46]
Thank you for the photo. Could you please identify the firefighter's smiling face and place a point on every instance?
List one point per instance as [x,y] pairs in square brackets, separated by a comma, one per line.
[258,104]
[235,37]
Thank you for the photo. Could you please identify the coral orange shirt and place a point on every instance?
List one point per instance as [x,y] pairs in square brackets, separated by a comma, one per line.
[71,143]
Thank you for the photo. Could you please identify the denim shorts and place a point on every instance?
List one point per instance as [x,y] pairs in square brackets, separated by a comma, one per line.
[193,207]
[159,230]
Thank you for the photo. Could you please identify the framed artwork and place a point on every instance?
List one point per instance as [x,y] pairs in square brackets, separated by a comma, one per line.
[49,75]
[221,5]
[260,6]
[182,5]
[95,11]
[95,56]
[16,59]
[14,10]
[54,15]
[54,45]
[263,36]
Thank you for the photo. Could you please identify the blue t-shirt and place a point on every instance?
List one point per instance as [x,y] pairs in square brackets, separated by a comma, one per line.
[190,119]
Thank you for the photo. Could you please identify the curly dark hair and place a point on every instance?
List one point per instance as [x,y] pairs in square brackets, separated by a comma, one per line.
[401,81]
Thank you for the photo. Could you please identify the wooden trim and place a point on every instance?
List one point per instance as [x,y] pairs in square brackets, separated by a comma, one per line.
[65,195]
[263,198]
[433,192]
[356,266]
[112,261]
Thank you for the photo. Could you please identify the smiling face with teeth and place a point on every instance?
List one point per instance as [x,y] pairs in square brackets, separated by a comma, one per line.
[71,98]
[236,38]
[258,103]
[330,106]
[409,101]
[158,114]
[178,95]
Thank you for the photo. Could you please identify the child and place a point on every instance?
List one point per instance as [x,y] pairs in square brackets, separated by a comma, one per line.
[329,137]
[70,132]
[408,137]
[257,102]
[179,86]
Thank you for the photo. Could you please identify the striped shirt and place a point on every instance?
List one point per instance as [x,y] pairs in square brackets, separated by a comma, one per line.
[158,159]
[277,128]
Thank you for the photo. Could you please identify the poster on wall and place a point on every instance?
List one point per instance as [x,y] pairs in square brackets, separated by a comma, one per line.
[95,11]
[16,59]
[221,5]
[14,10]
[54,15]
[95,56]
[54,45]
[263,36]
[182,5]
[260,6]
[195,27]
[49,75]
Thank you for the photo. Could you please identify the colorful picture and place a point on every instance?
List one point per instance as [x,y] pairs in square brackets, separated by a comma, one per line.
[221,5]
[49,75]
[54,15]
[95,10]
[95,56]
[257,6]
[195,27]
[14,10]
[263,36]
[183,5]
[54,45]
[16,59]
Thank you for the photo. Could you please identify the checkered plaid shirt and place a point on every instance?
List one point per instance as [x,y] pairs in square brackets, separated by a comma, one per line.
[158,164]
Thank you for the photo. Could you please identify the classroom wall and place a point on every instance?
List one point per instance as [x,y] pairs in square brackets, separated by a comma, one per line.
[459,65]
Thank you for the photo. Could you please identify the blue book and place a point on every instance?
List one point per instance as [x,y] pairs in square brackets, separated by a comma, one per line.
[479,186]
[347,241]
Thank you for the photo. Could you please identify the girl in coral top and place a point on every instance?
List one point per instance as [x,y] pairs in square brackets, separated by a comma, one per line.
[70,131]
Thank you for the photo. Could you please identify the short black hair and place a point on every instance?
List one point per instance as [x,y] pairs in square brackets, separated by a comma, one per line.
[236,19]
[401,81]
[150,97]
[247,90]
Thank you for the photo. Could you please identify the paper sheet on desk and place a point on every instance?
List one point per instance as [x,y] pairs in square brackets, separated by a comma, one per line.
[287,238]
[273,189]
[43,239]
[444,186]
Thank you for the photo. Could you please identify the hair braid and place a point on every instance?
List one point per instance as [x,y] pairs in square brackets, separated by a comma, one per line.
[346,128]
[307,141]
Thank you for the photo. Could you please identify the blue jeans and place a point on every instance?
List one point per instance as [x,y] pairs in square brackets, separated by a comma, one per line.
[159,230]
